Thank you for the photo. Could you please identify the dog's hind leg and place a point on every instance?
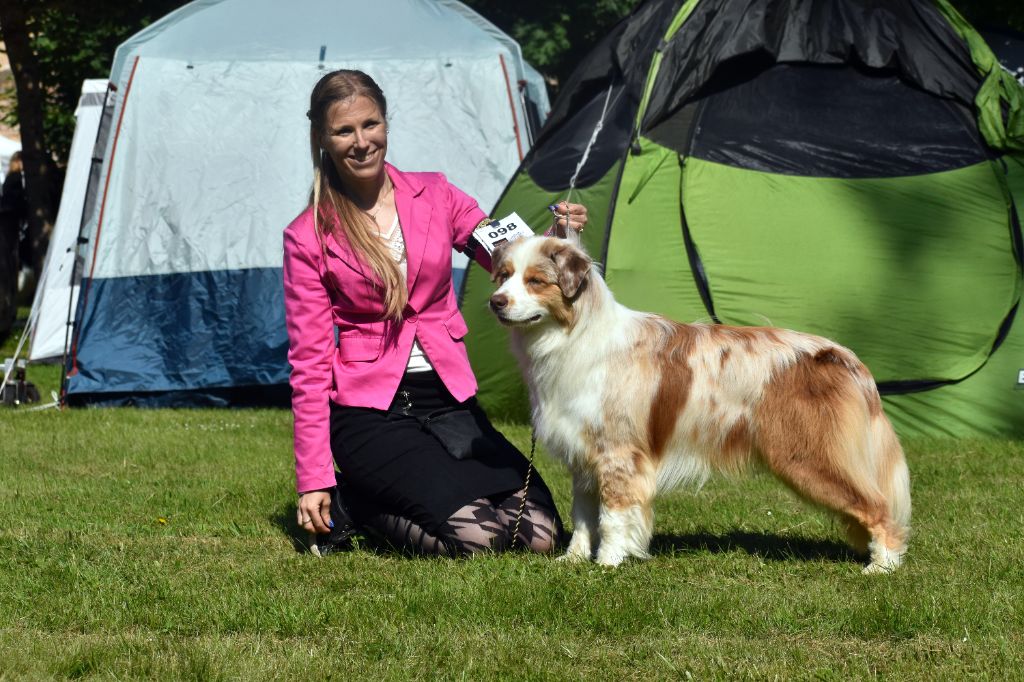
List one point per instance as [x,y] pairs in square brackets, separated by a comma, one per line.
[584,521]
[818,432]
[864,512]
[626,518]
[889,540]
[881,523]
[858,536]
[863,507]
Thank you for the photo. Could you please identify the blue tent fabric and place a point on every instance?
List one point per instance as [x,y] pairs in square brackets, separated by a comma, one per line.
[185,331]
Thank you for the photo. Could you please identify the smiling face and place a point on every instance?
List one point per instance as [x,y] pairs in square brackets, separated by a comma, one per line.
[355,137]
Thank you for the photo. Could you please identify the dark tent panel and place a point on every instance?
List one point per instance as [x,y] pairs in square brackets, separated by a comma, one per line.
[785,119]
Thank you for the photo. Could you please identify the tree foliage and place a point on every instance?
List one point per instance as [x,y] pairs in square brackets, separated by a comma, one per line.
[554,34]
[993,13]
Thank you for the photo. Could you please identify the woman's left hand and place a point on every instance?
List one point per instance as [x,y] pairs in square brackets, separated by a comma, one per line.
[569,215]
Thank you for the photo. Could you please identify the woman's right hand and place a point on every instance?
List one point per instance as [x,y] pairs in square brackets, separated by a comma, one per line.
[314,512]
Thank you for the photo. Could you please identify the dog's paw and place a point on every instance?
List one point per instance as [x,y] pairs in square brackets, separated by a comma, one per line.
[580,546]
[887,565]
[883,560]
[611,558]
[573,558]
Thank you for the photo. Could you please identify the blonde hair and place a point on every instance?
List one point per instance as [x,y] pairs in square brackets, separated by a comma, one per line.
[333,209]
[14,165]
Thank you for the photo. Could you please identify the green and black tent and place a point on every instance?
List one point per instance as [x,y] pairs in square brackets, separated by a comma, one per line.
[851,168]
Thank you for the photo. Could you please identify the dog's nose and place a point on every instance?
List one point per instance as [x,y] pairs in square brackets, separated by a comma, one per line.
[498,302]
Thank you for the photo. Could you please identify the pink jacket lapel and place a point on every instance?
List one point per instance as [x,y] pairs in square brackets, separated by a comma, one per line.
[414,216]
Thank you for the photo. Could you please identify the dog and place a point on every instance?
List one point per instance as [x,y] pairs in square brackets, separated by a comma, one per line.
[635,404]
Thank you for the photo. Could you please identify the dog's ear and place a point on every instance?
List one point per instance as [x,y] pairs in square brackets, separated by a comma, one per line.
[573,266]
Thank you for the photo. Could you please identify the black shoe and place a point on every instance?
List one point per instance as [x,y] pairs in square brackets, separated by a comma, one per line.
[340,537]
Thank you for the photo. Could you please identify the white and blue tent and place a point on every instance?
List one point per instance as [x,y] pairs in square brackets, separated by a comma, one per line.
[207,160]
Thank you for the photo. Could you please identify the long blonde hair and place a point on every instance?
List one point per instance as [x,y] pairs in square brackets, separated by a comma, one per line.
[333,209]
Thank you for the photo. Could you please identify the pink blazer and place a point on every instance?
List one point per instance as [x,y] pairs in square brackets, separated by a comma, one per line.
[365,365]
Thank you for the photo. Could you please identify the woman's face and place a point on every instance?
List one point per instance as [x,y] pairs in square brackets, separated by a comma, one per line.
[356,139]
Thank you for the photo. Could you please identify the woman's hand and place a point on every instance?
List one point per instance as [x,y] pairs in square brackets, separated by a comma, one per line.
[314,512]
[568,215]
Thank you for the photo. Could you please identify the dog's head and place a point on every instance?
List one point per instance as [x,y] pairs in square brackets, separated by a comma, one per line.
[539,280]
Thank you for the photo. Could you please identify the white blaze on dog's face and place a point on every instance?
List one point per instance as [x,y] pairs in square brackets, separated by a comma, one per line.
[538,280]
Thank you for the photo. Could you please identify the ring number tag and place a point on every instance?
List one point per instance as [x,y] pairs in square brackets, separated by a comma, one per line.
[497,232]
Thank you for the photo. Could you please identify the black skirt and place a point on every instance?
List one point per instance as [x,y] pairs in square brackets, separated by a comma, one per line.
[388,463]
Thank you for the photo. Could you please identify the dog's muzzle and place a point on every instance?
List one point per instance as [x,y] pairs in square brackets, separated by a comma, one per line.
[498,303]
[500,306]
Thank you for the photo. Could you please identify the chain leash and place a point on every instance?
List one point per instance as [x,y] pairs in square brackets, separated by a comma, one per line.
[526,488]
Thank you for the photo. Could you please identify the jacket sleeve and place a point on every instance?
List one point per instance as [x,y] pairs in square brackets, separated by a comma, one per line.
[465,216]
[311,355]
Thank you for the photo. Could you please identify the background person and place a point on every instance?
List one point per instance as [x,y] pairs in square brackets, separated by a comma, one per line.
[13,241]
[15,209]
[371,257]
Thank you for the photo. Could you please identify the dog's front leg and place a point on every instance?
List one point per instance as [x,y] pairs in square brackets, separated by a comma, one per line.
[626,516]
[584,520]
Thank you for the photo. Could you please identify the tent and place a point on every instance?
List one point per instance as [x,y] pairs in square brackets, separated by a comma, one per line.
[7,149]
[57,291]
[849,168]
[206,161]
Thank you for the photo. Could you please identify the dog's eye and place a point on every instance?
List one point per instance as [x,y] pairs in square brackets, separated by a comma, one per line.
[536,281]
[501,277]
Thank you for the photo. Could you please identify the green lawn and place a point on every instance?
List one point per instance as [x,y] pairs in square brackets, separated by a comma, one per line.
[161,544]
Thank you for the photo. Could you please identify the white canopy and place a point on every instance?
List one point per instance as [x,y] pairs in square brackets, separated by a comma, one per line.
[56,292]
[7,149]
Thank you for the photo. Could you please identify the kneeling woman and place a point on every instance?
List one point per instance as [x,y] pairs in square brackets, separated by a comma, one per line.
[371,258]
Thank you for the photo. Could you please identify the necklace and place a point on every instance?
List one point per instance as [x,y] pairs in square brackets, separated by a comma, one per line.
[380,203]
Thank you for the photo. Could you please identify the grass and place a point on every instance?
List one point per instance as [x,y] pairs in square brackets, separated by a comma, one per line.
[161,544]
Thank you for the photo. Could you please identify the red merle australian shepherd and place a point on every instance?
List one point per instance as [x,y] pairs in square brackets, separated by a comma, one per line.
[635,404]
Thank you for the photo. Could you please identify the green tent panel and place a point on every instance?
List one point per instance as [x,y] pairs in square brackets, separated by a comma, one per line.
[916,269]
[989,402]
[854,171]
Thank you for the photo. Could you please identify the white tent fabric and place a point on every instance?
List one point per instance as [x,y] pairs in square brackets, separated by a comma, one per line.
[7,149]
[208,160]
[56,292]
[232,138]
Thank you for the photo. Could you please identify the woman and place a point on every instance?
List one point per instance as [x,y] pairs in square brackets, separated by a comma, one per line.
[15,209]
[371,257]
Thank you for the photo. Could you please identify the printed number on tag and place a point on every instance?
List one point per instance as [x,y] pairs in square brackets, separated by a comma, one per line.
[497,232]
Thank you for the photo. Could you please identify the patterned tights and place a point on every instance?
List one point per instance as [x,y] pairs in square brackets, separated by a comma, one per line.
[481,525]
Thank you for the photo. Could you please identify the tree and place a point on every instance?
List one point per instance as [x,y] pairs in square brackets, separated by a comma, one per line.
[992,13]
[40,168]
[555,34]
